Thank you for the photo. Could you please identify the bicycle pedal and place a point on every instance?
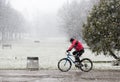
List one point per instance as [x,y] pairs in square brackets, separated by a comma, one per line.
[77,65]
[76,62]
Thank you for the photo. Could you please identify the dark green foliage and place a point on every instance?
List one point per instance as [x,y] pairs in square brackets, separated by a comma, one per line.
[102,30]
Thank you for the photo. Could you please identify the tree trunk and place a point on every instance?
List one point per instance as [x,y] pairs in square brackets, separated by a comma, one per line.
[113,55]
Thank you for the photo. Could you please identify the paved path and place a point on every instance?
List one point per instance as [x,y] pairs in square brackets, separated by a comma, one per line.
[57,76]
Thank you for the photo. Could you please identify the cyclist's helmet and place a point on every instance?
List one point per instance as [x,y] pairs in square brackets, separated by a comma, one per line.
[71,40]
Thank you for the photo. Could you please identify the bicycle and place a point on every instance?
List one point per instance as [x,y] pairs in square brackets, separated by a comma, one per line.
[65,64]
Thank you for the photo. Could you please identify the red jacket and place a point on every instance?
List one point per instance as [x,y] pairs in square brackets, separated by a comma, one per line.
[76,45]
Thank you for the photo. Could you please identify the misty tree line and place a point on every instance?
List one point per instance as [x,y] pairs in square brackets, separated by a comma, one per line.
[74,14]
[97,22]
[11,22]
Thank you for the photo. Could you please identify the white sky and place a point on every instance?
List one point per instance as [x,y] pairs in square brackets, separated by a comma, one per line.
[29,7]
[41,8]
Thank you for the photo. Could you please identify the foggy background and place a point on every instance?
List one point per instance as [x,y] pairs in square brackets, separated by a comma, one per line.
[34,20]
[38,19]
[41,16]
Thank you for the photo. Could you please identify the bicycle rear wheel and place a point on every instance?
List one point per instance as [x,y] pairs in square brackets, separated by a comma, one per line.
[64,65]
[86,65]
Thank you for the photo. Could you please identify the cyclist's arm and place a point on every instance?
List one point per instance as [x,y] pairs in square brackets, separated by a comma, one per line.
[72,45]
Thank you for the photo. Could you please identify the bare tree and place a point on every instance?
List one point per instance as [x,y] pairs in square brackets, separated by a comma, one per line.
[11,21]
[73,15]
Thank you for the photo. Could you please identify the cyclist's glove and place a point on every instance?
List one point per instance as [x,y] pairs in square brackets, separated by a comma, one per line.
[67,50]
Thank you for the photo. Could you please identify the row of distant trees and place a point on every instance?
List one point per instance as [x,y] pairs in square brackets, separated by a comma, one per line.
[11,22]
[97,22]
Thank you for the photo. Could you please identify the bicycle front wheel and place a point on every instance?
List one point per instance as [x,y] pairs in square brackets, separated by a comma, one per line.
[86,65]
[64,65]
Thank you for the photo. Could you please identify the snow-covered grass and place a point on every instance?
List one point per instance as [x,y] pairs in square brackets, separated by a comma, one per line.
[49,51]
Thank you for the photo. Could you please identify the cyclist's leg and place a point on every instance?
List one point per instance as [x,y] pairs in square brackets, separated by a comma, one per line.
[76,58]
[79,54]
[75,54]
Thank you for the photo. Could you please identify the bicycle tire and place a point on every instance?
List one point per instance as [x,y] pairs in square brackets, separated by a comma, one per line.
[66,62]
[84,65]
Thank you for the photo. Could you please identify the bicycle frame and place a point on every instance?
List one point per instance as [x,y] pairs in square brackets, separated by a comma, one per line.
[68,57]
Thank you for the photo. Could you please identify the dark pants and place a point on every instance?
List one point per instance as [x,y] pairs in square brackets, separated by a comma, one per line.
[77,54]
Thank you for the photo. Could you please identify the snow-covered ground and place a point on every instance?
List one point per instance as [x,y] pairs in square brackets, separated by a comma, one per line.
[49,51]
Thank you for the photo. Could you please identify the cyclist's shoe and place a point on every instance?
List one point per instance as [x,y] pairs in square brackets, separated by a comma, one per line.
[77,64]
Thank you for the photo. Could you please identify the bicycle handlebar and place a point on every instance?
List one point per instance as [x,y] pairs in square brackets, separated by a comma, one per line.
[68,53]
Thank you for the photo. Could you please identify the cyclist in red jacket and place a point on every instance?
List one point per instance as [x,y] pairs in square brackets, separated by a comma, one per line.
[79,49]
